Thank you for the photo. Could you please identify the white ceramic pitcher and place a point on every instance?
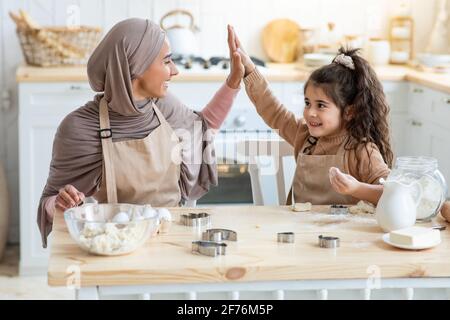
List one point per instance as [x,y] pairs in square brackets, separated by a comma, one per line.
[397,206]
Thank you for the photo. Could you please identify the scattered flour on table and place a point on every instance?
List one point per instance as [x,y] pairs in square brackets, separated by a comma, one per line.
[333,221]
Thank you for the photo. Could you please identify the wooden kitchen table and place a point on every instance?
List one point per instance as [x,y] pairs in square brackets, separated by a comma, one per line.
[256,262]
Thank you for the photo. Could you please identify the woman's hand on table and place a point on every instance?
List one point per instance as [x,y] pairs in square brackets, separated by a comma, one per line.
[245,58]
[237,70]
[68,197]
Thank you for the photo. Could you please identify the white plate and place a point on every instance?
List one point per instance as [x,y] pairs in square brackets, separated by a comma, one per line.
[434,60]
[408,247]
[317,59]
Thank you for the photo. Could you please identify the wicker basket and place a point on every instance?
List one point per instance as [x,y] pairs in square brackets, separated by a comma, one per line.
[63,46]
[55,46]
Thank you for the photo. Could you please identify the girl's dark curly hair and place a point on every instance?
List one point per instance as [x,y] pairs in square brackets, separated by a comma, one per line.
[360,93]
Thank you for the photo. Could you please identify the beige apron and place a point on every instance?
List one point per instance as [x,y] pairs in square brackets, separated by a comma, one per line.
[140,171]
[311,180]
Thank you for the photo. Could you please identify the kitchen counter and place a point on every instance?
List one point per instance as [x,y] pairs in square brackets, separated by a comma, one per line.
[273,72]
[256,256]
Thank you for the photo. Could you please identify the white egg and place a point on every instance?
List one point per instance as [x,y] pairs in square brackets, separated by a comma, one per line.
[164,214]
[149,213]
[121,217]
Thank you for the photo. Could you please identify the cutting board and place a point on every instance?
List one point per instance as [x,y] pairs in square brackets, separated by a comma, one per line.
[281,40]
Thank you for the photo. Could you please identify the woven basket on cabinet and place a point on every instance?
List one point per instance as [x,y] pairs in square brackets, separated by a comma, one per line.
[54,46]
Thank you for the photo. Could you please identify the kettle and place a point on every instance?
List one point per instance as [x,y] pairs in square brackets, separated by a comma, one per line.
[182,38]
[397,206]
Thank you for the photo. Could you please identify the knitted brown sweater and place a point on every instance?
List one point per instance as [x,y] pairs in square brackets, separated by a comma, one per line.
[365,163]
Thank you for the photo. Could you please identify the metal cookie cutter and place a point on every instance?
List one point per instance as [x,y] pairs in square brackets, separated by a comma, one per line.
[329,242]
[286,237]
[196,219]
[219,235]
[209,248]
[338,209]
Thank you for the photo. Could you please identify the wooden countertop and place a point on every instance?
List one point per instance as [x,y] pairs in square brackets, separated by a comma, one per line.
[274,72]
[257,256]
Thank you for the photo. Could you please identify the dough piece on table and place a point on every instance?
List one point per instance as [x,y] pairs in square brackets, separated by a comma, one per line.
[165,218]
[362,207]
[302,207]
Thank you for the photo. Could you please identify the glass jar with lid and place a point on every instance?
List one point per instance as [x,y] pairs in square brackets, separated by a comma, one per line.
[425,171]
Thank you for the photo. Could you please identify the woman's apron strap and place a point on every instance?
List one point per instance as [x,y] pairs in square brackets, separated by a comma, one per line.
[105,134]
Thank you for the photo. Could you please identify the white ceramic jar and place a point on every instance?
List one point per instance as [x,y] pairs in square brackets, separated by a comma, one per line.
[379,52]
[400,32]
[399,56]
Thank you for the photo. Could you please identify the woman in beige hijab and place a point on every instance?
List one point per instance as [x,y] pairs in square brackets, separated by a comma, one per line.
[135,142]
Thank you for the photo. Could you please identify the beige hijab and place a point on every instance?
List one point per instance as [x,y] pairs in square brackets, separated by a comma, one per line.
[125,52]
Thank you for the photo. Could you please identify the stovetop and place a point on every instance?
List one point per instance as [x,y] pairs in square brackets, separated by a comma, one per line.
[212,63]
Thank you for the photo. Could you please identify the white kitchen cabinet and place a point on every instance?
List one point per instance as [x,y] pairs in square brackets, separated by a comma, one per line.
[420,100]
[428,126]
[439,146]
[426,138]
[396,92]
[41,108]
[440,133]
[418,137]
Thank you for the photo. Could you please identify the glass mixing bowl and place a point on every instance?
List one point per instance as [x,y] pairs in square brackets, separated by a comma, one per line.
[111,229]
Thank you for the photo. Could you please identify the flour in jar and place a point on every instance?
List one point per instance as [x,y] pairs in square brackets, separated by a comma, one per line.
[431,197]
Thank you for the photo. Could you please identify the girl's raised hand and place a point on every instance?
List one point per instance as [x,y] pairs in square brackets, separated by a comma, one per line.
[245,58]
[343,183]
[237,69]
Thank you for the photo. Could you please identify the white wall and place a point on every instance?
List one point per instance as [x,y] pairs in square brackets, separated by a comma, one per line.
[248,17]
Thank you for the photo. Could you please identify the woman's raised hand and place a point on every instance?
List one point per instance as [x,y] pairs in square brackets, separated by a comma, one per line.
[237,70]
[236,44]
[68,197]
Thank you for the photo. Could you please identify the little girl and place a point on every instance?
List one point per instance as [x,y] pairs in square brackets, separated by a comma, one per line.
[342,143]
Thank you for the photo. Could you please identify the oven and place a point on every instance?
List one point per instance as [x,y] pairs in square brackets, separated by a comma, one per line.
[234,187]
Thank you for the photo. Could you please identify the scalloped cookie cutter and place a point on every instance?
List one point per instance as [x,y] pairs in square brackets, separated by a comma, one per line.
[209,248]
[195,219]
[219,235]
